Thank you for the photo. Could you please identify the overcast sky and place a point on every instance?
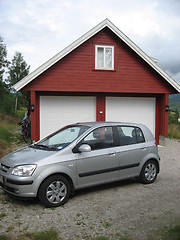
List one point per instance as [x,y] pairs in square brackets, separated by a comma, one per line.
[39,29]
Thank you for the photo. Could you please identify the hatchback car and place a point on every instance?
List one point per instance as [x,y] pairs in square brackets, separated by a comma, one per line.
[78,156]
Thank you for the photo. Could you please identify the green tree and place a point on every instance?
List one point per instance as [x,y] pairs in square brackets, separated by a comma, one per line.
[17,69]
[3,58]
[6,98]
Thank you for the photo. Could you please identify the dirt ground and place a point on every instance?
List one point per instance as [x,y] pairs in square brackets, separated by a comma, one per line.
[123,209]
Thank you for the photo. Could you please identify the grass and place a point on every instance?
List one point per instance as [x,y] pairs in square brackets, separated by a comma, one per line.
[174,233]
[6,135]
[107,224]
[2,215]
[167,233]
[106,238]
[102,238]
[3,237]
[20,113]
[174,131]
[50,234]
[10,137]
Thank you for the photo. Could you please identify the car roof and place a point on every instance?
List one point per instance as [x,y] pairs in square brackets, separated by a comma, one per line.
[92,124]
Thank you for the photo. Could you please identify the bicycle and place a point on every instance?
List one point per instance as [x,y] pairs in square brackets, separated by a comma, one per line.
[25,130]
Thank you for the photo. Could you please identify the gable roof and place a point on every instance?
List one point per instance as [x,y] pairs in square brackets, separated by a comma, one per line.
[106,23]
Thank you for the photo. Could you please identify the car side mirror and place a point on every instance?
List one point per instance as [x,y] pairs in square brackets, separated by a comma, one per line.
[84,148]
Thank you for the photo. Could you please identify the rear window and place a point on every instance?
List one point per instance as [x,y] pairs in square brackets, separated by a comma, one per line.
[130,135]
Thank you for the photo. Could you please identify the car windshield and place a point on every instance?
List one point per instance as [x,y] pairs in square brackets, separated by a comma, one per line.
[62,138]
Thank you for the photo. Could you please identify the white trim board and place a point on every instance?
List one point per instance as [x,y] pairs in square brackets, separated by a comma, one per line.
[106,23]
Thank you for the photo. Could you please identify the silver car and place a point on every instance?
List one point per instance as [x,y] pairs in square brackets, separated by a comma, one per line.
[78,156]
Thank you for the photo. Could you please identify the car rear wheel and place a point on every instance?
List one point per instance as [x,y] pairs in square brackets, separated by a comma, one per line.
[54,191]
[149,172]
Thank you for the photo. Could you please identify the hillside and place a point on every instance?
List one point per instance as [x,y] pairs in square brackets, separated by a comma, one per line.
[10,137]
[174,102]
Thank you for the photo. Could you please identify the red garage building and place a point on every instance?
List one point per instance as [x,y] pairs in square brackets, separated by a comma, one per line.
[103,76]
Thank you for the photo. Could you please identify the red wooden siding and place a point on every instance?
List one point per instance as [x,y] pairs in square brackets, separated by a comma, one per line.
[35,116]
[100,108]
[76,72]
[163,118]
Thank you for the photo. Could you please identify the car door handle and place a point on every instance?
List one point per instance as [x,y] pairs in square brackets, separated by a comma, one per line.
[112,154]
[143,148]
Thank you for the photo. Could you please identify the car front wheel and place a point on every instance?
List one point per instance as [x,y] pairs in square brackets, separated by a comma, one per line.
[149,172]
[54,191]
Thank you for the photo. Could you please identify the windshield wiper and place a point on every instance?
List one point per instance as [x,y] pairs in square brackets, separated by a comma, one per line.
[41,146]
[55,147]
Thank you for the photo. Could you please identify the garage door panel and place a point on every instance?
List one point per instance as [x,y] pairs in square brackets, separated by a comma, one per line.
[136,110]
[58,111]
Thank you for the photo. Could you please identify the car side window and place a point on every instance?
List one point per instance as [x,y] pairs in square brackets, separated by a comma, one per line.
[100,138]
[129,135]
[139,135]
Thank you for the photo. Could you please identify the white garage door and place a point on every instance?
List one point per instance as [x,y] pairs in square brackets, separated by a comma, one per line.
[136,110]
[58,111]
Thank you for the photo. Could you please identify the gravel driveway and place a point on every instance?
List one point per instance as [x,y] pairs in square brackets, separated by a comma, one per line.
[126,208]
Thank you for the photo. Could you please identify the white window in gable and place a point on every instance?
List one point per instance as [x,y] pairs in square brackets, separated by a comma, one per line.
[104,57]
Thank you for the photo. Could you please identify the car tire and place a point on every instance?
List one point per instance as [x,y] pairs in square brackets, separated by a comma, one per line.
[149,172]
[54,191]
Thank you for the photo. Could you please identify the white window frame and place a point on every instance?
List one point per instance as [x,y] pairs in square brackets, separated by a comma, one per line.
[96,57]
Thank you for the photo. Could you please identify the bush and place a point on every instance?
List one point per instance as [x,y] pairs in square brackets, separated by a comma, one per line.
[7,104]
[173,117]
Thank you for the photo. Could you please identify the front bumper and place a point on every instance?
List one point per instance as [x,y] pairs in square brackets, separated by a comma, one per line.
[17,187]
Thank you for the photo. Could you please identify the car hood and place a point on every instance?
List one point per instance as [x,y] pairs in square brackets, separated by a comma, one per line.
[26,155]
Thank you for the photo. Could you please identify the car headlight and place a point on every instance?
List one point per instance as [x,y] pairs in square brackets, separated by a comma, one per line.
[24,170]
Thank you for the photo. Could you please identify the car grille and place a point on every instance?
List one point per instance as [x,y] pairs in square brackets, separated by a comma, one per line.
[4,168]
